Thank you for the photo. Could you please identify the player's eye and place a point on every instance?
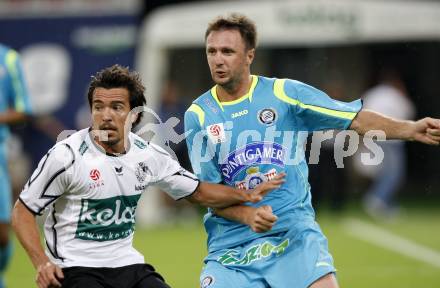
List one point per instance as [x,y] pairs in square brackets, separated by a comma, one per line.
[97,107]
[118,107]
[228,51]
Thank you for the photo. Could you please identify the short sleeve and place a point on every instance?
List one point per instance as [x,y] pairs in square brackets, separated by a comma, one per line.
[50,180]
[201,155]
[315,110]
[18,96]
[170,177]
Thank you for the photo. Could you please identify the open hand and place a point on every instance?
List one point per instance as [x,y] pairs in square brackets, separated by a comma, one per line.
[257,194]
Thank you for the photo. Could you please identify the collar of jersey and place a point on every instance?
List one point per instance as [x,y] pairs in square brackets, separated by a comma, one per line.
[249,94]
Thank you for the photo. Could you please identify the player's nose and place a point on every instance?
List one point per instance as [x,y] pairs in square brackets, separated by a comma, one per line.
[218,59]
[107,114]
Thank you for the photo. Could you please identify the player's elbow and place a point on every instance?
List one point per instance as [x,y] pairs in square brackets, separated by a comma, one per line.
[358,123]
[15,217]
[204,197]
[199,197]
[20,214]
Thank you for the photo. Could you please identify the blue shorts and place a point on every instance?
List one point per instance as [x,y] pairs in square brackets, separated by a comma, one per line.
[5,188]
[292,259]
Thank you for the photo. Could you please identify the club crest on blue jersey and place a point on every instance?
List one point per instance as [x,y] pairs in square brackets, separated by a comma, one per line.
[251,155]
[254,177]
[267,116]
[207,281]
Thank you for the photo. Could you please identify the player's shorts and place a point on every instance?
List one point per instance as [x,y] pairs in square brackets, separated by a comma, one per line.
[131,276]
[5,188]
[292,259]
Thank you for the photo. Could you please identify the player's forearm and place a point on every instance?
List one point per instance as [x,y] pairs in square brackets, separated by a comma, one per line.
[25,227]
[367,120]
[237,213]
[11,117]
[218,196]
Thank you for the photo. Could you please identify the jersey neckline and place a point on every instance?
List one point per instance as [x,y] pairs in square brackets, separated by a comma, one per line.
[248,95]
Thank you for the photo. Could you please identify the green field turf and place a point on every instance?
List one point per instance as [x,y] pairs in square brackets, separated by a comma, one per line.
[177,252]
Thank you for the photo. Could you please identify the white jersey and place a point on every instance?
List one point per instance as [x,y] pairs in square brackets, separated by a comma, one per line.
[92,198]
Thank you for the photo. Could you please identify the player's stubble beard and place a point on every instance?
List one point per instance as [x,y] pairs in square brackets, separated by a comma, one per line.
[232,84]
[101,135]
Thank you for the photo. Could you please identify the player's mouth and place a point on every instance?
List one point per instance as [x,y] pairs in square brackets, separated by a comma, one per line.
[220,74]
[107,128]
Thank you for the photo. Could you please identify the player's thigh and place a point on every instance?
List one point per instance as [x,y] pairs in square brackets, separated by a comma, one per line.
[79,277]
[151,281]
[305,260]
[79,281]
[327,281]
[215,275]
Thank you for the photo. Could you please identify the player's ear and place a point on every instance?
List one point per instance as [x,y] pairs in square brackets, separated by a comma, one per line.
[250,54]
[133,117]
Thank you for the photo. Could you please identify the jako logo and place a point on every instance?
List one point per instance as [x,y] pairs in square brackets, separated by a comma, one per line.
[94,174]
[238,114]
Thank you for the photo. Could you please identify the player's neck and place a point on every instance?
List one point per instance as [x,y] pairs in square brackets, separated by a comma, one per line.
[113,148]
[227,93]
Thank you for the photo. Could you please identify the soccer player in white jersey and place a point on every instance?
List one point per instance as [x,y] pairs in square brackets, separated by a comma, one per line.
[251,124]
[91,183]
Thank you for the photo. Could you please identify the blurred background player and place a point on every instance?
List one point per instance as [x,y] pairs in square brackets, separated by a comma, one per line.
[389,97]
[14,108]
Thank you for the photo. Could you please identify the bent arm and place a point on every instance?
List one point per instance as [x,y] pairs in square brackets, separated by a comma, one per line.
[26,229]
[236,213]
[426,130]
[259,219]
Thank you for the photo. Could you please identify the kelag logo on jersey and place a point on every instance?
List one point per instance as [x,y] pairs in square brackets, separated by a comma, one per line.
[107,219]
[252,154]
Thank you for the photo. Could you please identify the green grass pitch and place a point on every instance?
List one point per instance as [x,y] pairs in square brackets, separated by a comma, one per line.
[177,252]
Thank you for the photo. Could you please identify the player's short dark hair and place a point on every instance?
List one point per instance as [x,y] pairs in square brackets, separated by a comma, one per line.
[239,22]
[118,76]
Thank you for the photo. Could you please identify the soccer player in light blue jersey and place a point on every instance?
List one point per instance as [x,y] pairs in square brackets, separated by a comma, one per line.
[14,106]
[244,131]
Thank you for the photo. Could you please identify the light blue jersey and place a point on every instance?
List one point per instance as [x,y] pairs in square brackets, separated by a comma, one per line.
[13,95]
[247,141]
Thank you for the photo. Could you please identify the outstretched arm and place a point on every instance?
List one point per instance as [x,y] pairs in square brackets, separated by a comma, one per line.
[219,196]
[426,130]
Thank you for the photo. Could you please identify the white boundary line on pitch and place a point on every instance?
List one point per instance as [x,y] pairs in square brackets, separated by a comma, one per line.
[385,239]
